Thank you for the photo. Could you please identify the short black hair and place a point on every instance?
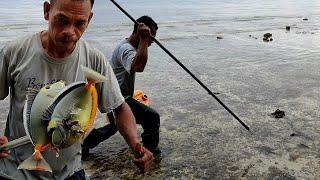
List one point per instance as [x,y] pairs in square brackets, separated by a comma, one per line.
[148,21]
[92,1]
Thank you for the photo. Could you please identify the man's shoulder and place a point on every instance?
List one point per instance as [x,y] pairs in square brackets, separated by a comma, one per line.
[125,45]
[25,38]
[20,43]
[122,48]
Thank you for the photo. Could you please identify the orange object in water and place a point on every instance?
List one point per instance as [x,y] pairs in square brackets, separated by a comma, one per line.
[141,97]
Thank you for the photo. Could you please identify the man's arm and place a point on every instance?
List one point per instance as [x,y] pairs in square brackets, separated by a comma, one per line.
[127,127]
[4,91]
[126,124]
[4,79]
[141,57]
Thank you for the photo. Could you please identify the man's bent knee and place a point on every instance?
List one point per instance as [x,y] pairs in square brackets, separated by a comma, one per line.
[153,120]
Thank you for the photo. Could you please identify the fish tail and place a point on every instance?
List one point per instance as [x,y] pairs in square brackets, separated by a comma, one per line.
[93,76]
[36,162]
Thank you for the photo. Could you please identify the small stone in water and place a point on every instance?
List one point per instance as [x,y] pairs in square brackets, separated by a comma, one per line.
[278,114]
[293,134]
[267,37]
[288,28]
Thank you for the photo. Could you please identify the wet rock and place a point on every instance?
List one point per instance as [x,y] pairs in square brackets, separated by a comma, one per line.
[251,36]
[278,114]
[305,19]
[294,156]
[267,37]
[246,170]
[293,134]
[303,146]
[275,173]
[171,128]
[265,150]
[219,37]
[288,28]
[233,168]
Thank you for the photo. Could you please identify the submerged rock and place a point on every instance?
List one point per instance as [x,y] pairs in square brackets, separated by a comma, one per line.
[293,156]
[288,28]
[276,173]
[278,114]
[267,37]
[251,36]
[219,37]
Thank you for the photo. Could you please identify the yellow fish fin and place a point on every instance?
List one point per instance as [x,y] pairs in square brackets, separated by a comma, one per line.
[92,75]
[94,96]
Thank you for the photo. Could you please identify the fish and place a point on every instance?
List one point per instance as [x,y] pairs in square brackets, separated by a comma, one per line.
[36,129]
[64,119]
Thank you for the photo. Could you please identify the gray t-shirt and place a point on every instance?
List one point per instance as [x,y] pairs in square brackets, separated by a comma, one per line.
[121,62]
[24,64]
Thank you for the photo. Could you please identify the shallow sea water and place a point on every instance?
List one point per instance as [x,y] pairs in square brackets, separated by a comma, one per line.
[199,139]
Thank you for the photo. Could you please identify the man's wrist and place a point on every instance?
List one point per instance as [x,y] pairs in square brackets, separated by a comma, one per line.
[144,41]
[133,144]
[139,150]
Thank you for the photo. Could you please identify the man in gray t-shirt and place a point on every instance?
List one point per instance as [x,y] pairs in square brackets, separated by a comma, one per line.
[129,57]
[45,58]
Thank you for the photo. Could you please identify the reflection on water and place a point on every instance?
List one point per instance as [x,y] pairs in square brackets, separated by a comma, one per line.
[199,138]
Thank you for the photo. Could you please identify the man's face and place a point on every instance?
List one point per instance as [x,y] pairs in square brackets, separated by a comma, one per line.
[67,21]
[153,33]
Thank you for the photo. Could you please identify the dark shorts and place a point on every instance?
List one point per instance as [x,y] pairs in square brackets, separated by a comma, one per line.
[79,175]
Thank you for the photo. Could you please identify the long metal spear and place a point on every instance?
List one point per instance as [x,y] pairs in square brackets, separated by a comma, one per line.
[183,67]
[15,143]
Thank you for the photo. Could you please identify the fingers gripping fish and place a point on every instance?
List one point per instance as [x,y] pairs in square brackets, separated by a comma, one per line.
[61,121]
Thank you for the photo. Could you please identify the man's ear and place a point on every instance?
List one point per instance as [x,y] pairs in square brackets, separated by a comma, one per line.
[46,10]
[90,17]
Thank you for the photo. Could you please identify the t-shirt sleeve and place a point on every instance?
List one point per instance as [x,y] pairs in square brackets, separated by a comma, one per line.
[109,94]
[4,80]
[127,54]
